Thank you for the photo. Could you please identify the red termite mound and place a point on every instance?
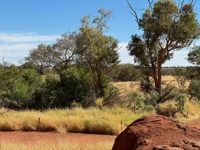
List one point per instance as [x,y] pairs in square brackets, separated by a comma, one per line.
[158,132]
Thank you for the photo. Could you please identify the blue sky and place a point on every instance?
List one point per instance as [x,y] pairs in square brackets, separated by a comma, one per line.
[27,23]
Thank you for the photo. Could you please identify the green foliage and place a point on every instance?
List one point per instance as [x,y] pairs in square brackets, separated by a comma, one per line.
[194,55]
[166,27]
[151,100]
[29,65]
[181,102]
[194,89]
[46,95]
[125,72]
[171,108]
[57,57]
[75,86]
[18,85]
[141,101]
[193,72]
[96,50]
[41,57]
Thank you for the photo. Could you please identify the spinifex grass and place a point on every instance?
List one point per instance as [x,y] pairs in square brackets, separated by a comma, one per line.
[91,120]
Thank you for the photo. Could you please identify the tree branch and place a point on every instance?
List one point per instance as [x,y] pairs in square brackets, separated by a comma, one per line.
[133,12]
[150,3]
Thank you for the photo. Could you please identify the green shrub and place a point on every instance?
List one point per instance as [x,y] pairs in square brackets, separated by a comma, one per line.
[167,109]
[141,101]
[18,85]
[75,86]
[194,89]
[181,102]
[46,95]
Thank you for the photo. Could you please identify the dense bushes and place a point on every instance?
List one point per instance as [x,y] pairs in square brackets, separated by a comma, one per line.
[75,86]
[18,85]
[72,86]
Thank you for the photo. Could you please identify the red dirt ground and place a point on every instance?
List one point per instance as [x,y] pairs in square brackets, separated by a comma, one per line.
[54,138]
[194,123]
[51,137]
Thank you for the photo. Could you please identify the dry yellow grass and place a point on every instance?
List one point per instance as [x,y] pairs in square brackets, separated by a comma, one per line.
[130,86]
[92,120]
[166,80]
[127,87]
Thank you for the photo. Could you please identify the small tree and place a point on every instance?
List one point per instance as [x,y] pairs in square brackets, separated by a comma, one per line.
[96,50]
[166,27]
[58,56]
[41,57]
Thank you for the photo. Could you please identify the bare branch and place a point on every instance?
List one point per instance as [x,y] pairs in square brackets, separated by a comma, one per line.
[150,3]
[133,12]
[182,3]
[193,2]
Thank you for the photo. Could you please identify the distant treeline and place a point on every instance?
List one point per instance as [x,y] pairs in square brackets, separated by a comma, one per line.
[131,72]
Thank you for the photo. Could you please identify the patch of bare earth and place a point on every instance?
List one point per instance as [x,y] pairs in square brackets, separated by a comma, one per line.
[51,137]
[157,132]
[194,123]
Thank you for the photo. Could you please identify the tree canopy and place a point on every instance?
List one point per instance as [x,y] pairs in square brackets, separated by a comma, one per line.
[97,50]
[57,56]
[194,55]
[166,27]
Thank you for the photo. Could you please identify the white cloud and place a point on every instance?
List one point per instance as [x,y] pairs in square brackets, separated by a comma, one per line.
[15,46]
[123,53]
[14,53]
[25,37]
[179,59]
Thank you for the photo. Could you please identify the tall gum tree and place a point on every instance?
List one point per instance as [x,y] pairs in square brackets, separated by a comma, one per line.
[166,27]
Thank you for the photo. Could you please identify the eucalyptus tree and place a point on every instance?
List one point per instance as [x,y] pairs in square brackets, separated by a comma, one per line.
[166,27]
[97,51]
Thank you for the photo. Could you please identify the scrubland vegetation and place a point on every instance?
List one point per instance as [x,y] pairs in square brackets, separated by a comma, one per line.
[77,84]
